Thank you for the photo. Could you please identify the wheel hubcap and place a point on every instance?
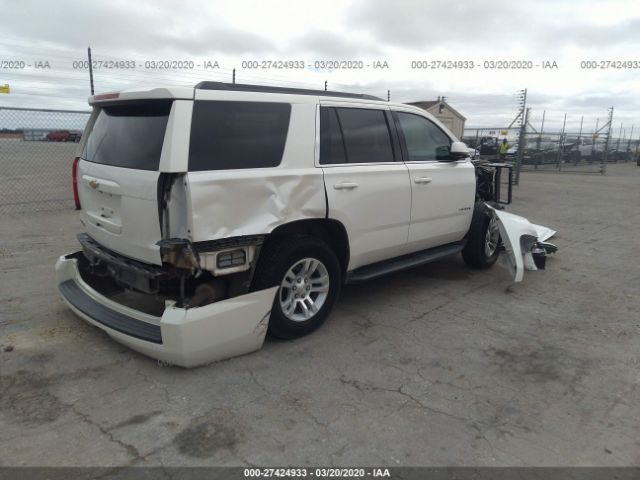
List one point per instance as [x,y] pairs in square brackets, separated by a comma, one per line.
[491,238]
[304,289]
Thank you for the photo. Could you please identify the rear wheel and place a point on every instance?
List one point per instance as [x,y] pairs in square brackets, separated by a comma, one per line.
[483,240]
[308,277]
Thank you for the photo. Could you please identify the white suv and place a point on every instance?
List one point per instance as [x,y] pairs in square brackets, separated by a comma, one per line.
[213,213]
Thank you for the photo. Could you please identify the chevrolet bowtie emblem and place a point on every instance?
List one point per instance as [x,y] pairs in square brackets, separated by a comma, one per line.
[93,184]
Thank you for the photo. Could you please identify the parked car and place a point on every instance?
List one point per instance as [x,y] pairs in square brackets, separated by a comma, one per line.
[594,148]
[488,146]
[63,136]
[213,214]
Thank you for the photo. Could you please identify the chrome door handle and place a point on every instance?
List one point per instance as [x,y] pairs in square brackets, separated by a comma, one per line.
[422,180]
[345,185]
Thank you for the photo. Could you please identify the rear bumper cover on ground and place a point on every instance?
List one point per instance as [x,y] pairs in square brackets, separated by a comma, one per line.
[181,336]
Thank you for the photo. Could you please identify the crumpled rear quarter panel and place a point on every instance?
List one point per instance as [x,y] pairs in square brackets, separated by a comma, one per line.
[230,203]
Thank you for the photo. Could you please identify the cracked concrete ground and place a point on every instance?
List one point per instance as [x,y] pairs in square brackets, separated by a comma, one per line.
[439,365]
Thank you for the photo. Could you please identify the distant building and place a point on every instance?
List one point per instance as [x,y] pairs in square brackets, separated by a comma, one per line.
[444,112]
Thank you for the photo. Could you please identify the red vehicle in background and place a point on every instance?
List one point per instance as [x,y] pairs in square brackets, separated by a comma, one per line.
[63,136]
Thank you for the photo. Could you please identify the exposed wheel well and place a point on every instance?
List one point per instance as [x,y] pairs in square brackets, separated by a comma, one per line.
[330,231]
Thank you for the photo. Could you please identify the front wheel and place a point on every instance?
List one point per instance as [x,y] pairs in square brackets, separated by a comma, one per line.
[309,278]
[483,239]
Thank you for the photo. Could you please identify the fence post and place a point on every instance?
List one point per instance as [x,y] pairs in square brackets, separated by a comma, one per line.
[521,144]
[561,145]
[605,154]
[615,158]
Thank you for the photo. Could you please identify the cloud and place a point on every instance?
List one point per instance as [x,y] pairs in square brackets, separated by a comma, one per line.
[489,23]
[418,24]
[324,44]
[128,26]
[400,31]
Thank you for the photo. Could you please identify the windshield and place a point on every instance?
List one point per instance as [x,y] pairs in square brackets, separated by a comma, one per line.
[129,135]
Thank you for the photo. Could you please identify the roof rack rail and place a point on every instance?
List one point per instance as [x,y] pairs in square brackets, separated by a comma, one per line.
[244,87]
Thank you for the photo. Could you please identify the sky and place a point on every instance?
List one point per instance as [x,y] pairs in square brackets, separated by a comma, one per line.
[365,32]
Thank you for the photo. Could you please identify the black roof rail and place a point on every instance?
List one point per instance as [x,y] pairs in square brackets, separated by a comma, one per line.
[244,87]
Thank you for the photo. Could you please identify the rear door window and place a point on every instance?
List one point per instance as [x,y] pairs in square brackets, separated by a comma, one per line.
[233,135]
[129,135]
[366,135]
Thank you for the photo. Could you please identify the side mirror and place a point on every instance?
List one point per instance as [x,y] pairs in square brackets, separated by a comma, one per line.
[457,151]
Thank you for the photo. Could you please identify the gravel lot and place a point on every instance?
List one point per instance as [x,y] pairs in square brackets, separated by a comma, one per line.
[439,365]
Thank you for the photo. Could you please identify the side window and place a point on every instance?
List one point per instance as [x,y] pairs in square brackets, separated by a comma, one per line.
[331,143]
[424,140]
[366,135]
[231,135]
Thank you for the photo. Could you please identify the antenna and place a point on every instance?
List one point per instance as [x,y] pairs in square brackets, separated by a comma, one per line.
[90,69]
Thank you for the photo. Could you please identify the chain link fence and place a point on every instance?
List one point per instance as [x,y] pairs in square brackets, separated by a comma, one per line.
[554,151]
[576,152]
[37,148]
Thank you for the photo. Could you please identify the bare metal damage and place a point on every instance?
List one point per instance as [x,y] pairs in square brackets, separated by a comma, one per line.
[525,243]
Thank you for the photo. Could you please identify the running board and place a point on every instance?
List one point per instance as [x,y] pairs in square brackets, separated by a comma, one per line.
[416,259]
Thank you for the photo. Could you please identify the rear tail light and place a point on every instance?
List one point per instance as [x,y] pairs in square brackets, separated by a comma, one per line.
[76,197]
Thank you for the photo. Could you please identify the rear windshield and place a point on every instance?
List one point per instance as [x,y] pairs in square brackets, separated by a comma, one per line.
[129,135]
[230,135]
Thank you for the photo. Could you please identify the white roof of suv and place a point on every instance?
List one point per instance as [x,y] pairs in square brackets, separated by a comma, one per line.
[189,93]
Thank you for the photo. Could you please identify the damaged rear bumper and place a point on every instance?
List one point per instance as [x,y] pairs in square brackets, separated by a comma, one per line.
[181,336]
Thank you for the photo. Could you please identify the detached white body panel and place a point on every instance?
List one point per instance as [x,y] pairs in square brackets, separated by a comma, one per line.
[186,337]
[519,236]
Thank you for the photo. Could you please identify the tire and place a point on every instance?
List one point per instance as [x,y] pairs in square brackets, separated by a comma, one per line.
[282,263]
[483,240]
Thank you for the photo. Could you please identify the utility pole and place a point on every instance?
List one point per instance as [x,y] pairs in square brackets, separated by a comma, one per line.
[325,85]
[233,78]
[90,69]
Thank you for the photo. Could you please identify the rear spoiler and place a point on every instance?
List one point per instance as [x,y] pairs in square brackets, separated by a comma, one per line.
[168,93]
